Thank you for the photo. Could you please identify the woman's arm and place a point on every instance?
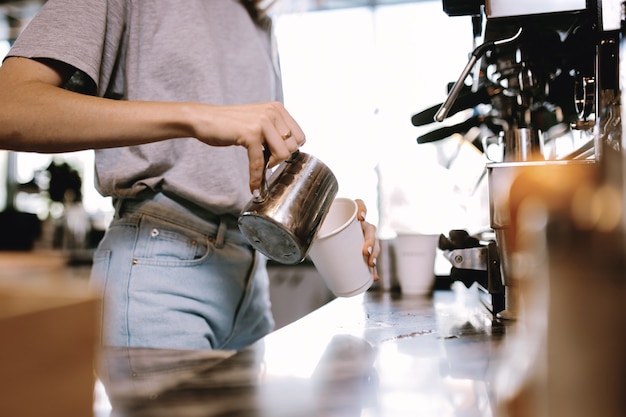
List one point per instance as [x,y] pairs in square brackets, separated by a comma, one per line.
[37,115]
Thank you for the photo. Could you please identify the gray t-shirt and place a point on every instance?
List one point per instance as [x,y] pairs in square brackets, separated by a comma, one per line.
[169,50]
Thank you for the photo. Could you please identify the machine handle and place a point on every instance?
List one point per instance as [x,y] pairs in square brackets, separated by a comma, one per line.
[458,85]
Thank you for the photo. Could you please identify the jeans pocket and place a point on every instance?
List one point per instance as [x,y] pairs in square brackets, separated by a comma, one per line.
[160,241]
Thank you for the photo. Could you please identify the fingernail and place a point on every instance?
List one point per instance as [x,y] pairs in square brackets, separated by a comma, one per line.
[363,214]
[256,193]
[374,261]
[369,250]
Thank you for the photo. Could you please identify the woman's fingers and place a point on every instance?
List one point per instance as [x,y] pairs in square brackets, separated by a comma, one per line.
[283,136]
[362,209]
[371,247]
[266,126]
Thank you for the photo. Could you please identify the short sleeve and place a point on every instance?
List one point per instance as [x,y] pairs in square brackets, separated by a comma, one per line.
[87,34]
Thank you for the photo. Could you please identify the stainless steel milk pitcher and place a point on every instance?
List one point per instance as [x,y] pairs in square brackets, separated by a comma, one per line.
[282,222]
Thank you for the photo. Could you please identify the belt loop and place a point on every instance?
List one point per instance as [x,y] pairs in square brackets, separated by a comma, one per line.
[221,234]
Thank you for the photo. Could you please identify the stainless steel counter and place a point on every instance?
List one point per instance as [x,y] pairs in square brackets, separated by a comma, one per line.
[378,354]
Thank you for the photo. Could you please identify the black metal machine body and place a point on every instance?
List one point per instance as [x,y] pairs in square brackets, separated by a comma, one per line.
[548,73]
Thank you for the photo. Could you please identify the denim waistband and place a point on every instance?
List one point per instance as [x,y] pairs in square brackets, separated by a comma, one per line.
[184,213]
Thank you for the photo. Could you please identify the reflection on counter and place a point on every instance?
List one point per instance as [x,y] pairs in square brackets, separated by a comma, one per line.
[377,354]
[295,290]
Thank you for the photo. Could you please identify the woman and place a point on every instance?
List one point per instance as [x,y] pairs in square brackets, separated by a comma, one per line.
[178,98]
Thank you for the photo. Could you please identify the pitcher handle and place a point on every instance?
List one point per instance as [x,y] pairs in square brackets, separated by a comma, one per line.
[264,191]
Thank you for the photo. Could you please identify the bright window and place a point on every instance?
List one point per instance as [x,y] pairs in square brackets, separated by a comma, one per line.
[353,78]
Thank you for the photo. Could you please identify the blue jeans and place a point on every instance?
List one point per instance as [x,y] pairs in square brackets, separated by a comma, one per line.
[171,277]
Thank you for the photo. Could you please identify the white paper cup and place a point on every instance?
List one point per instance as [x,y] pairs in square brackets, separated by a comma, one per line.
[336,251]
[415,262]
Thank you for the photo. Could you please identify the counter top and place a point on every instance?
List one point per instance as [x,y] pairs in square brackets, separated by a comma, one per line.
[378,354]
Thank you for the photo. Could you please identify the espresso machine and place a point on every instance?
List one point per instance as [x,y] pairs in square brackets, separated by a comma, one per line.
[544,79]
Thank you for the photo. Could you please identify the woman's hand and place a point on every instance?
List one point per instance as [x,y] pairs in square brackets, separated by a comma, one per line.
[371,247]
[253,126]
